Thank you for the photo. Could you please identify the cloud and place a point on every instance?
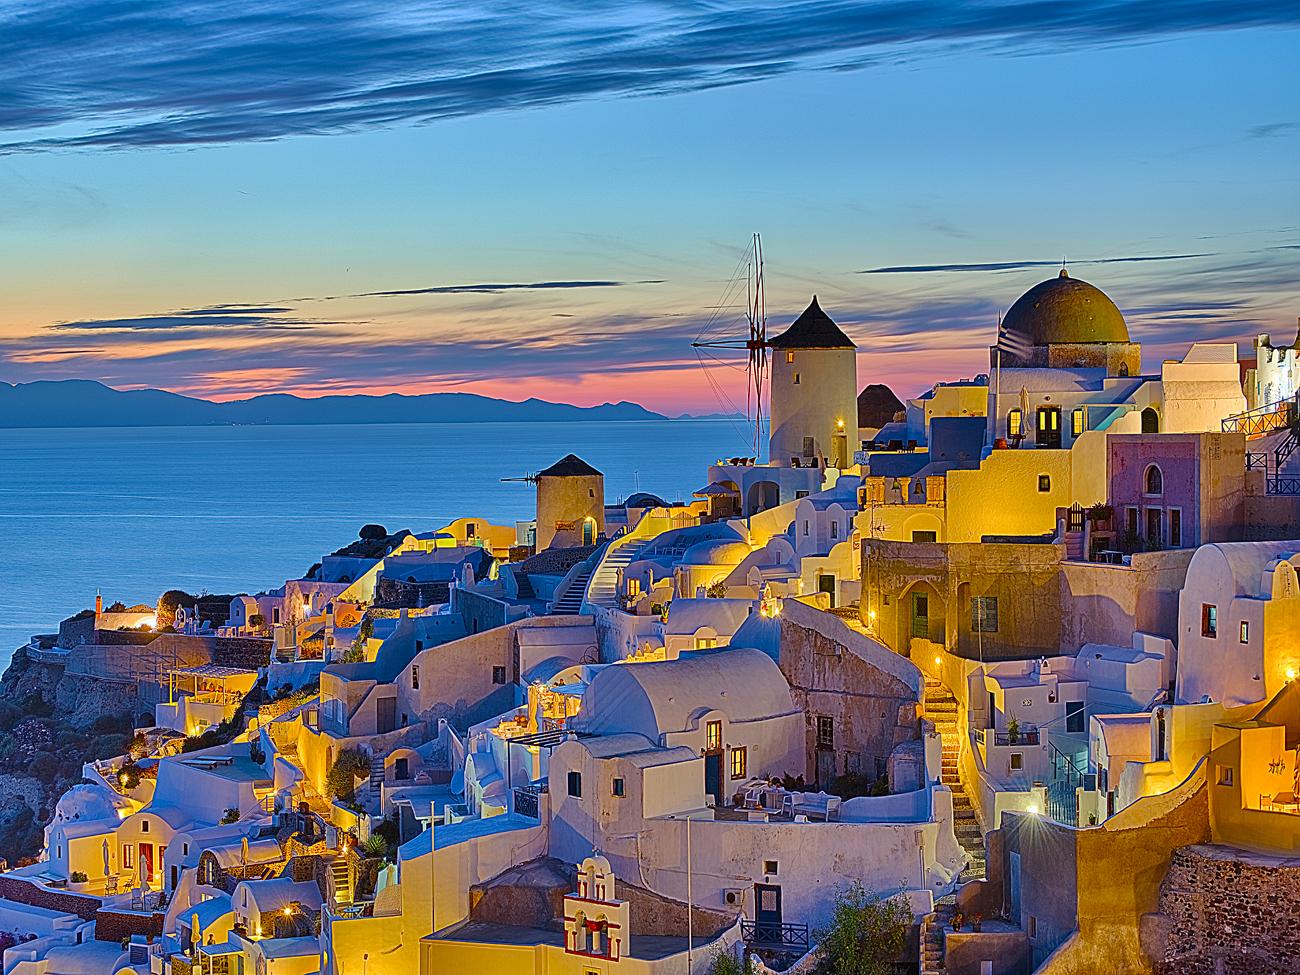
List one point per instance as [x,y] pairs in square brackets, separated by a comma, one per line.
[131,73]
[263,317]
[1268,131]
[1021,265]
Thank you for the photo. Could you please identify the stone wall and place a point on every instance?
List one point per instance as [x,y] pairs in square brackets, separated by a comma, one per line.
[1226,912]
[116,925]
[245,653]
[76,631]
[397,594]
[26,892]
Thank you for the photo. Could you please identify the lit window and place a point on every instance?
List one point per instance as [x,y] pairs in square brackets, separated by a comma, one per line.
[713,735]
[705,642]
[575,784]
[1013,423]
[789,357]
[634,587]
[618,788]
[1225,775]
[1245,632]
[1209,621]
[796,379]
[1044,482]
[738,763]
[128,856]
[1076,422]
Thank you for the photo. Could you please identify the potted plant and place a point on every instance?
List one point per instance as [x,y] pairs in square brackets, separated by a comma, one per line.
[975,920]
[1013,730]
[956,921]
[1100,514]
[78,881]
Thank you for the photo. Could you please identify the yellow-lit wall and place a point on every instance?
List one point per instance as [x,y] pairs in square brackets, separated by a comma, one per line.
[1002,497]
[569,499]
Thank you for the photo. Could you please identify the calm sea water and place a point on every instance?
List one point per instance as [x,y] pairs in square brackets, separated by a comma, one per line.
[137,511]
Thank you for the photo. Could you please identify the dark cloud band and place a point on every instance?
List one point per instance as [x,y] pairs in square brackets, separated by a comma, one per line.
[1021,265]
[128,73]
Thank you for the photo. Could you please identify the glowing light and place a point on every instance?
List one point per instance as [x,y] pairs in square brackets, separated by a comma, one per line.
[871,615]
[1290,673]
[1033,810]
[938,661]
[288,912]
[149,621]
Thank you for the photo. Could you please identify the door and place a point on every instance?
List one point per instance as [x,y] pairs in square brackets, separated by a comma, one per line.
[1049,427]
[826,584]
[825,768]
[385,715]
[401,769]
[839,451]
[588,537]
[713,776]
[146,861]
[921,615]
[767,914]
[1154,534]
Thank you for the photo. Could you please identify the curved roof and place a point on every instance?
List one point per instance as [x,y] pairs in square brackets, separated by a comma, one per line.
[1066,310]
[716,551]
[570,466]
[89,802]
[814,329]
[663,696]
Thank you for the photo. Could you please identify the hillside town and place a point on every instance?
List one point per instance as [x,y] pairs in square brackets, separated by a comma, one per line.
[1016,658]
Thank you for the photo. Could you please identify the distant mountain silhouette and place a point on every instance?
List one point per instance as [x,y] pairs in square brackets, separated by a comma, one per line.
[83,403]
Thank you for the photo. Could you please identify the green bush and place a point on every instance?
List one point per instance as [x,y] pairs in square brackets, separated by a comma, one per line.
[866,934]
[389,831]
[347,767]
[717,591]
[724,963]
[231,816]
[375,846]
[78,877]
[257,619]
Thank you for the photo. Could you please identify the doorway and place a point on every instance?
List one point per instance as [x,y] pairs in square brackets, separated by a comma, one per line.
[146,862]
[588,532]
[1048,434]
[839,451]
[713,776]
[826,584]
[767,913]
[921,615]
[1154,539]
[825,768]
[385,715]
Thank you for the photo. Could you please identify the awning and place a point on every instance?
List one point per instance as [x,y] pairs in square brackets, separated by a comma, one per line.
[716,490]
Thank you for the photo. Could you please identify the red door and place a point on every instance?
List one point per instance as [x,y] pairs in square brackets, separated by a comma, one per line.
[146,861]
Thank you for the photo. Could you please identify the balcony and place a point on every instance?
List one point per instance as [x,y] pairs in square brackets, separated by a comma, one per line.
[1027,735]
[775,935]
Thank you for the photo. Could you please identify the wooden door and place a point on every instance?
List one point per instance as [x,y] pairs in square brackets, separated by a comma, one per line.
[385,715]
[713,776]
[767,913]
[1049,427]
[921,615]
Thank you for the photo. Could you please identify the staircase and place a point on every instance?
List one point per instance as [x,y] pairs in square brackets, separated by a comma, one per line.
[932,942]
[376,775]
[342,882]
[941,708]
[604,582]
[570,604]
[525,586]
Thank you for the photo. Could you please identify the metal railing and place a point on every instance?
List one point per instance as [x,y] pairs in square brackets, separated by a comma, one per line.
[1025,736]
[775,934]
[526,803]
[1262,419]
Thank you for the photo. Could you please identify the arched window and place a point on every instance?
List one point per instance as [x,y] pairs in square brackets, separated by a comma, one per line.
[1155,482]
[1123,370]
[1150,420]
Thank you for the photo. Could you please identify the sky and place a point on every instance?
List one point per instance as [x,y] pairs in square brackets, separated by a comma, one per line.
[554,200]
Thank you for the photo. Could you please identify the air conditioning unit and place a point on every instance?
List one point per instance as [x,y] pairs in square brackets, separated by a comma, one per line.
[734,897]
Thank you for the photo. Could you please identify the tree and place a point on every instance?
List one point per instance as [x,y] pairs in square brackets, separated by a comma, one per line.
[118,607]
[373,532]
[168,603]
[717,591]
[257,620]
[345,770]
[866,934]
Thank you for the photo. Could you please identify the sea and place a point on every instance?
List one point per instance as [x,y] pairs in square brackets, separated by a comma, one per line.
[131,512]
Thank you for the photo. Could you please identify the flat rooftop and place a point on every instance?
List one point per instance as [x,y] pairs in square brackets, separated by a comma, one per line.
[646,947]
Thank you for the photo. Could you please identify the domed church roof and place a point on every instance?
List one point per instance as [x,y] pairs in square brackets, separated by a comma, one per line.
[814,329]
[1066,310]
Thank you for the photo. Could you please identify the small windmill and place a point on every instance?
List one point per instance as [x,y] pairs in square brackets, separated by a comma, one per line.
[755,344]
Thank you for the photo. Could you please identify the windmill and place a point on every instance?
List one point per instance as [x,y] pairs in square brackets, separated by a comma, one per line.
[754,344]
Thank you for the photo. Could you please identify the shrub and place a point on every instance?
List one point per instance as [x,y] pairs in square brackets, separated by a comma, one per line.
[118,607]
[725,963]
[866,934]
[345,769]
[373,532]
[389,831]
[168,603]
[717,591]
[854,784]
[231,816]
[78,877]
[311,573]
[375,846]
[257,619]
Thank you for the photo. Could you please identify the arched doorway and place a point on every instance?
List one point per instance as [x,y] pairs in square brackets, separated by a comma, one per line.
[762,495]
[588,531]
[1150,420]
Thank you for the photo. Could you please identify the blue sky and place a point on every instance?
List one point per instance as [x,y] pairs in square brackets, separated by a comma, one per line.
[225,199]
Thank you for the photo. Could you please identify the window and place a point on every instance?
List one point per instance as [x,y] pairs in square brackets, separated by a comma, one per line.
[185,849]
[825,732]
[1033,927]
[144,826]
[789,357]
[738,763]
[275,616]
[469,529]
[1076,422]
[1131,520]
[618,788]
[1155,481]
[633,587]
[808,450]
[918,536]
[415,677]
[1245,632]
[1175,528]
[713,735]
[128,856]
[796,379]
[705,642]
[984,614]
[1209,621]
[1225,775]
[1013,423]
[498,675]
[575,784]
[419,645]
[1075,718]
[1044,482]
[769,868]
[800,494]
[835,529]
[1017,761]
[805,527]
